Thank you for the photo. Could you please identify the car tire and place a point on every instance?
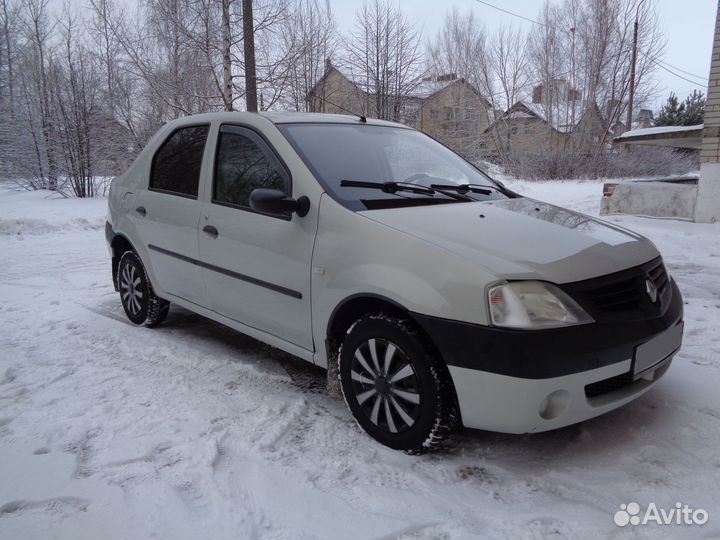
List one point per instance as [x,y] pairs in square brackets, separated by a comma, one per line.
[396,386]
[142,306]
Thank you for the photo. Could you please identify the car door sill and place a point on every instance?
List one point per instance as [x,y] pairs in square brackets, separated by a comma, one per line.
[251,331]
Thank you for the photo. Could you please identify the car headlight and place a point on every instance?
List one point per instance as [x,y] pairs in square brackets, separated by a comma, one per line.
[533,305]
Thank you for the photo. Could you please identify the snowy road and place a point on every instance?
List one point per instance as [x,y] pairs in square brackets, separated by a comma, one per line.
[193,430]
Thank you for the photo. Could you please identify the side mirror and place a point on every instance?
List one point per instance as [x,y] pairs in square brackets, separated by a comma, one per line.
[274,201]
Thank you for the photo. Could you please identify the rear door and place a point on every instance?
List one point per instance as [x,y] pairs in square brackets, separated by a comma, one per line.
[256,266]
[168,213]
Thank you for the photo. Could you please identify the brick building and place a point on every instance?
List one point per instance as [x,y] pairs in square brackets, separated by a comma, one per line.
[707,208]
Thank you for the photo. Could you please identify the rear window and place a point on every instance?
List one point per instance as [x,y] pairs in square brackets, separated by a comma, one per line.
[176,165]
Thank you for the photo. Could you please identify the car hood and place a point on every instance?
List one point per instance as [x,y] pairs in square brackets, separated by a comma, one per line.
[523,238]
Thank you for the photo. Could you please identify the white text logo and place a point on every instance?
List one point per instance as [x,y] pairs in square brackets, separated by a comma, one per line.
[680,514]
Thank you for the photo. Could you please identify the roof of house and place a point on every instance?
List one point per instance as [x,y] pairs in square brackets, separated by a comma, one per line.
[658,130]
[327,73]
[673,136]
[563,117]
[427,88]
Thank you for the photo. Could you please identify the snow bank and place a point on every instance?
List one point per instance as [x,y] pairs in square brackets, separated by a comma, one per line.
[43,212]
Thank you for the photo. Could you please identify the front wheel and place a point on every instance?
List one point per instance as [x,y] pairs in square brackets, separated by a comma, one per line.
[396,387]
[138,299]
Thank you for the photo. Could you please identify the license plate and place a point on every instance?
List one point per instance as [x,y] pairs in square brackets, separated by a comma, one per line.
[657,349]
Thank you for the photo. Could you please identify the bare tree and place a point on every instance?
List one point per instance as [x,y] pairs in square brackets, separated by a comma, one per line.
[7,53]
[384,56]
[74,92]
[496,65]
[38,31]
[309,35]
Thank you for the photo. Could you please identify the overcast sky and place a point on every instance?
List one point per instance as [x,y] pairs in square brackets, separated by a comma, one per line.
[688,27]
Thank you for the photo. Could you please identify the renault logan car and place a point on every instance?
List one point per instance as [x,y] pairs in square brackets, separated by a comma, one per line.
[442,297]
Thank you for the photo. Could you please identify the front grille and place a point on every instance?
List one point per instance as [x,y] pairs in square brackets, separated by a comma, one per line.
[623,295]
[608,385]
[618,296]
[659,276]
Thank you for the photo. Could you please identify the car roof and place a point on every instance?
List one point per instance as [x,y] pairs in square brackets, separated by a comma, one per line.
[284,118]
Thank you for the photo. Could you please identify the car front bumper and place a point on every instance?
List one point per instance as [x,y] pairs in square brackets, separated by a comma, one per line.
[514,405]
[529,381]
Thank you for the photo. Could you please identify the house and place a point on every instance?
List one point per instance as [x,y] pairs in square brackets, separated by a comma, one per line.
[335,93]
[445,107]
[555,119]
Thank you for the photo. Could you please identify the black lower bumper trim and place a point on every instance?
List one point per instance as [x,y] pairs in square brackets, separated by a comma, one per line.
[542,354]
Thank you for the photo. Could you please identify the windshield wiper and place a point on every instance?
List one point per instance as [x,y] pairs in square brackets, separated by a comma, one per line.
[389,187]
[482,189]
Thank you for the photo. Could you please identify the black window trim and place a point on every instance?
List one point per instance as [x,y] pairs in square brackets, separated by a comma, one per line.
[159,148]
[270,153]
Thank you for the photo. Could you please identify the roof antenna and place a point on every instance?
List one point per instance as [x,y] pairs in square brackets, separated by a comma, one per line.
[360,116]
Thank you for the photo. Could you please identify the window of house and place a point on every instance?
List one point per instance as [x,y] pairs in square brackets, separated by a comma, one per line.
[244,163]
[176,166]
[409,111]
[433,114]
[448,113]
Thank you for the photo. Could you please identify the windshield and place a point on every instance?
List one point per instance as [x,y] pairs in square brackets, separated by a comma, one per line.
[382,154]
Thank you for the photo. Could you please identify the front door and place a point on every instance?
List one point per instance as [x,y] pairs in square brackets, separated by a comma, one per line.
[256,266]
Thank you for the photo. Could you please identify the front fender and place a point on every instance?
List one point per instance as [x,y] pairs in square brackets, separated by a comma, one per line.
[356,256]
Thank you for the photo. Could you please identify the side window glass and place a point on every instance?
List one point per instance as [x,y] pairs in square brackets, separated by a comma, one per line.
[241,167]
[176,166]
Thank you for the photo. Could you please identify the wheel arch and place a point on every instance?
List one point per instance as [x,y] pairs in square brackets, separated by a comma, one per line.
[354,307]
[119,245]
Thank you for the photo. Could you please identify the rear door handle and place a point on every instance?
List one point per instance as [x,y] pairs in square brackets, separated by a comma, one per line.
[211,231]
[141,211]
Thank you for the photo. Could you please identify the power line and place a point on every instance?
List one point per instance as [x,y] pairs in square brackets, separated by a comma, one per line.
[683,71]
[662,65]
[657,63]
[515,14]
[667,67]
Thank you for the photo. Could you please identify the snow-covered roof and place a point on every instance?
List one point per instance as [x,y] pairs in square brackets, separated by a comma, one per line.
[562,116]
[519,114]
[658,130]
[428,88]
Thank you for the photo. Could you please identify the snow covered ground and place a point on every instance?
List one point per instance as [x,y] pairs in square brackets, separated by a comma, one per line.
[193,430]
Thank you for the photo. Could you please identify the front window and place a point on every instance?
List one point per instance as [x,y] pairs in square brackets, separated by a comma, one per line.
[367,153]
[244,163]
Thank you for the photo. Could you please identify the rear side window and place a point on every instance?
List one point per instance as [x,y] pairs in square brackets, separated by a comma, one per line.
[244,163]
[176,166]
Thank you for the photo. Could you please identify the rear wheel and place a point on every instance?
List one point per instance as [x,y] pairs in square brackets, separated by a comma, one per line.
[138,299]
[395,385]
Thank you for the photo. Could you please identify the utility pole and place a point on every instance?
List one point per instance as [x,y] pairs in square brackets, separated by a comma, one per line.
[227,59]
[632,67]
[249,50]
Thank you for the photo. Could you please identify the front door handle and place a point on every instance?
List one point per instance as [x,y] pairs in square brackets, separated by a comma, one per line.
[211,231]
[141,211]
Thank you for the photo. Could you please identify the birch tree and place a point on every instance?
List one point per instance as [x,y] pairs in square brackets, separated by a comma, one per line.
[384,57]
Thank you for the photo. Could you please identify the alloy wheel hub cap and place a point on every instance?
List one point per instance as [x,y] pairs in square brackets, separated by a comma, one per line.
[386,385]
